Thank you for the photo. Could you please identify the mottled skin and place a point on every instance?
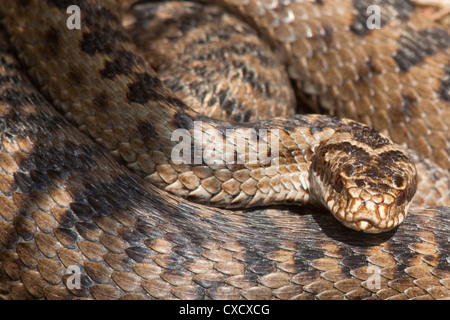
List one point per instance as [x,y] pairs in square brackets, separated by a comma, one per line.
[68,203]
[132,113]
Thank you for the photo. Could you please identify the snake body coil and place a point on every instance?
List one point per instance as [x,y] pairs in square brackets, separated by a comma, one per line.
[66,203]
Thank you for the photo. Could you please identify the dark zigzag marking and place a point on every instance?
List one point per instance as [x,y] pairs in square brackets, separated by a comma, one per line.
[101,41]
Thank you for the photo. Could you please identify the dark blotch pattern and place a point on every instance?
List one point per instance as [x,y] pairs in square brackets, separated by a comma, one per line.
[298,120]
[388,160]
[229,105]
[379,168]
[52,38]
[321,166]
[398,180]
[360,183]
[374,173]
[146,129]
[412,190]
[67,237]
[366,135]
[121,65]
[98,15]
[102,41]
[75,77]
[84,212]
[39,179]
[177,103]
[100,101]
[444,93]
[338,184]
[391,156]
[16,98]
[348,170]
[373,68]
[63,4]
[183,121]
[24,3]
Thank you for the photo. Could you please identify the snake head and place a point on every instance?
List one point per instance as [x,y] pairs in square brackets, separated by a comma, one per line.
[366,188]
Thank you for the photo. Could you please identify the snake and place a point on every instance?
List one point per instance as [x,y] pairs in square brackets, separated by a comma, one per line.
[88,178]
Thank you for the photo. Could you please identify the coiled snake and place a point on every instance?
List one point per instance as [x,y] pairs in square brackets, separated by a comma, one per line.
[65,203]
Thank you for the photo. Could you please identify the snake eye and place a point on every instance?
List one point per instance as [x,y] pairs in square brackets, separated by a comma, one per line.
[401,198]
[338,184]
